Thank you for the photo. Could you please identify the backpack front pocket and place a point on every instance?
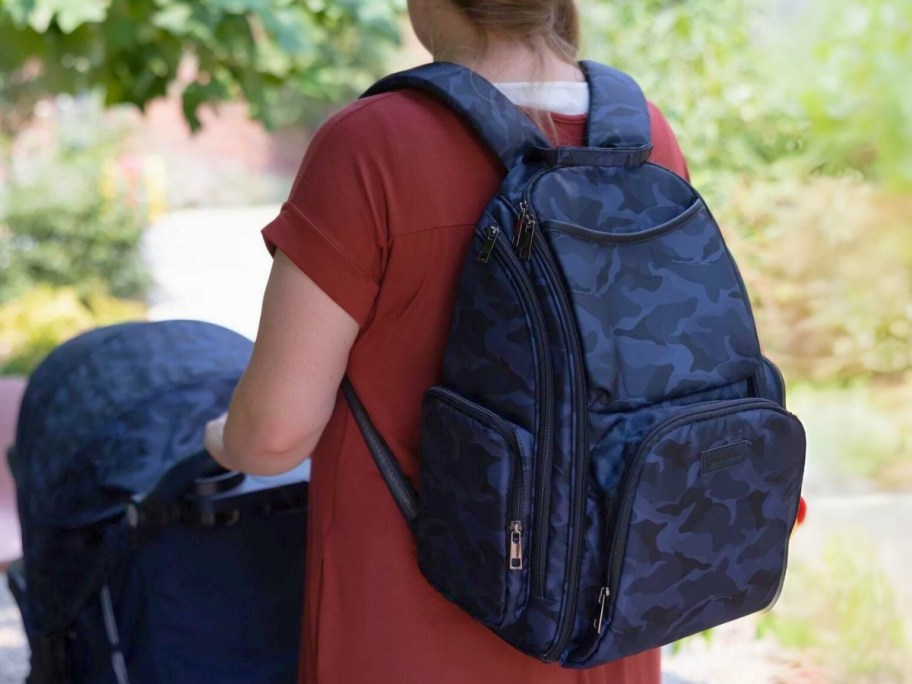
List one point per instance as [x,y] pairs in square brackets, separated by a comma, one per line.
[472,527]
[701,524]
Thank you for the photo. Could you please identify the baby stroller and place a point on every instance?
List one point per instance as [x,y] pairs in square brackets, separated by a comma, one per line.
[145,563]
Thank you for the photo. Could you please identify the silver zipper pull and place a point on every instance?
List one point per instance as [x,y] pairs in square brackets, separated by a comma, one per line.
[487,249]
[520,224]
[525,244]
[516,554]
[604,593]
[525,231]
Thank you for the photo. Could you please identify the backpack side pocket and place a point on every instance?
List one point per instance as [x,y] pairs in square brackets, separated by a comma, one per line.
[473,526]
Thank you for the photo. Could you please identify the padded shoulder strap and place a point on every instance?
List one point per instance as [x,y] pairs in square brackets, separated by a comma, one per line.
[506,130]
[618,114]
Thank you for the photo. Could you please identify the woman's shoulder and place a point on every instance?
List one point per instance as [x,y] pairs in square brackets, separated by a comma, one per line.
[666,150]
[386,119]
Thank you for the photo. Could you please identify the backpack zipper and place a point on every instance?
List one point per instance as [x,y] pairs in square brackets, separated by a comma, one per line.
[622,508]
[524,240]
[525,233]
[577,497]
[490,241]
[527,223]
[542,349]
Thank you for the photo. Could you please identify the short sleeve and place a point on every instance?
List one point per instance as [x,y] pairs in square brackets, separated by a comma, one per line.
[333,225]
[665,148]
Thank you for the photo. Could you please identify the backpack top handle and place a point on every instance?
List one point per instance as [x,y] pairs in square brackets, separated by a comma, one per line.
[618,112]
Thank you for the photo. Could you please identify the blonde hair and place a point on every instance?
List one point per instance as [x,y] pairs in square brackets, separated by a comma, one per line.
[555,21]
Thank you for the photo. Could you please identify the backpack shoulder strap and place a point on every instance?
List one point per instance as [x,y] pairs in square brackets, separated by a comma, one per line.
[618,113]
[506,130]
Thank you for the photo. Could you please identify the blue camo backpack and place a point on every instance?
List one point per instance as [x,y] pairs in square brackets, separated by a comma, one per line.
[607,465]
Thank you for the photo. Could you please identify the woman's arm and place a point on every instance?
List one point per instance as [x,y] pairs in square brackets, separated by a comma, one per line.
[287,394]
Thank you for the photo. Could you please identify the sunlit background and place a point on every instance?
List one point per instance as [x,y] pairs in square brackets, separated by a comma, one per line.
[143,144]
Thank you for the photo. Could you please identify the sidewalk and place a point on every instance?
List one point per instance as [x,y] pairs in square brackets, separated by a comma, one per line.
[210,265]
[13,648]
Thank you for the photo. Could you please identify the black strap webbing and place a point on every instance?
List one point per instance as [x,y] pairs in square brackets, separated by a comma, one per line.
[403,493]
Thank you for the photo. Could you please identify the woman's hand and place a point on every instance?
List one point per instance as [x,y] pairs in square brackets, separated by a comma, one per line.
[214,440]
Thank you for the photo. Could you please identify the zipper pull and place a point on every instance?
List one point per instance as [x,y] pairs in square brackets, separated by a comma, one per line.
[516,554]
[604,593]
[520,223]
[487,249]
[526,231]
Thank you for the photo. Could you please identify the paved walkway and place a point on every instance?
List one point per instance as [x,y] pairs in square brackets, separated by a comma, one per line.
[210,265]
[13,649]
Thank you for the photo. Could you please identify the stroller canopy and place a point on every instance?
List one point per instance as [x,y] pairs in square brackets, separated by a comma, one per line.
[102,419]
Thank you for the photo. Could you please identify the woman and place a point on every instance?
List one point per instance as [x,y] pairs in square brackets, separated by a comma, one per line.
[367,252]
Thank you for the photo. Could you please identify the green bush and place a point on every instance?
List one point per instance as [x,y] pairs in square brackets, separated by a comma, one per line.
[701,62]
[846,62]
[745,86]
[828,263]
[34,324]
[72,219]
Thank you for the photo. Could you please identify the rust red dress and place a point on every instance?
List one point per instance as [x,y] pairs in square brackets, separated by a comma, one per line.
[380,216]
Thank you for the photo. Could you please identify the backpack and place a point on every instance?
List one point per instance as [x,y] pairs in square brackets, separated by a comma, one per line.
[607,465]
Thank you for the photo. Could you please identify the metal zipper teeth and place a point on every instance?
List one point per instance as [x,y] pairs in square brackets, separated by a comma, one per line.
[545,448]
[546,462]
[577,500]
[623,508]
[545,444]
[501,426]
[578,497]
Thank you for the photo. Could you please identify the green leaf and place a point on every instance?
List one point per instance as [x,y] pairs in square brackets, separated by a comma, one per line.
[173,18]
[265,51]
[245,6]
[18,11]
[198,94]
[292,30]
[69,14]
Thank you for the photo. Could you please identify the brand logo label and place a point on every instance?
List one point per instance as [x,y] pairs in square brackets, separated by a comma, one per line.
[724,457]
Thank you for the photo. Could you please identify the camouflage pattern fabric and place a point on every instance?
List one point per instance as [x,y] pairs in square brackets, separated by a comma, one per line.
[604,354]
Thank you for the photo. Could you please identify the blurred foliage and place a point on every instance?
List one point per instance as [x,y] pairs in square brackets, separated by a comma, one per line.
[828,262]
[73,217]
[34,324]
[845,613]
[847,65]
[699,61]
[134,50]
[746,83]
